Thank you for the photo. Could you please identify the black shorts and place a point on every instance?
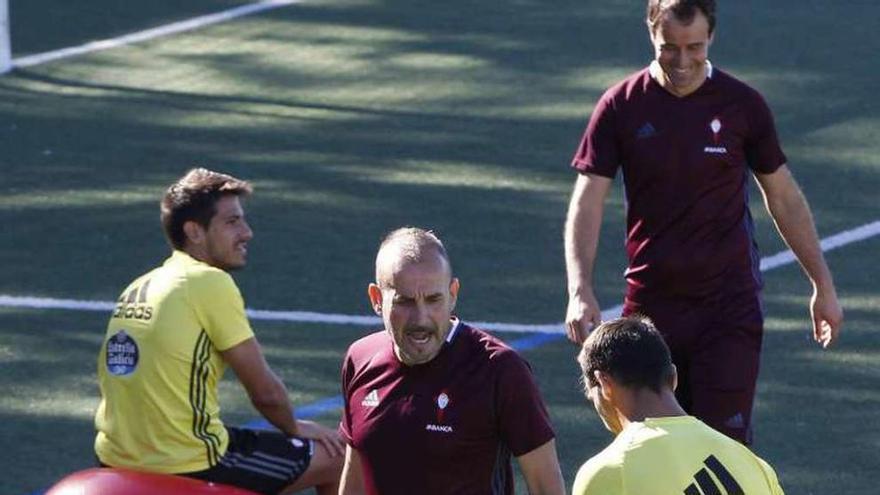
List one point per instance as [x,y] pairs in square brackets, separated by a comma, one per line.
[261,461]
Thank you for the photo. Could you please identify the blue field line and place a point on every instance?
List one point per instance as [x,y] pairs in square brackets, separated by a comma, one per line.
[533,341]
[308,411]
[330,404]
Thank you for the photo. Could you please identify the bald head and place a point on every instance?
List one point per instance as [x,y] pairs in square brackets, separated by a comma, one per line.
[406,246]
[414,293]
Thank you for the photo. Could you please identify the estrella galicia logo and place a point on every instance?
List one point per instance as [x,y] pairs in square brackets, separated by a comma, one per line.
[122,354]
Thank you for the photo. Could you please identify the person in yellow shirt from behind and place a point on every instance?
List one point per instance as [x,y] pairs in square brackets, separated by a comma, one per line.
[629,377]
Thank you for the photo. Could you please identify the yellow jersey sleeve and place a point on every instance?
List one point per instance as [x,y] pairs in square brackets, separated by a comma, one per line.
[598,476]
[220,309]
[772,479]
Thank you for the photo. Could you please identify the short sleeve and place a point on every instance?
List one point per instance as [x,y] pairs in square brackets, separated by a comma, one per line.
[345,421]
[763,151]
[772,479]
[599,150]
[596,478]
[523,420]
[220,309]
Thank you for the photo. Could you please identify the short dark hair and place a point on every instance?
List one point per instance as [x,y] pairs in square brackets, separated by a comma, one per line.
[683,10]
[412,244]
[631,350]
[194,198]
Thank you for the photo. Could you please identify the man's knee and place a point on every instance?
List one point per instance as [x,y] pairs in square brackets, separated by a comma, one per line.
[324,470]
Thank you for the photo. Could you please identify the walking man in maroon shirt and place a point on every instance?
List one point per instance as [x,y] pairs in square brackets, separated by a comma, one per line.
[685,136]
[434,406]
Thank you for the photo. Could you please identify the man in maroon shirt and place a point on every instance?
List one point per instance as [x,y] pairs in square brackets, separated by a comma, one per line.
[432,405]
[685,135]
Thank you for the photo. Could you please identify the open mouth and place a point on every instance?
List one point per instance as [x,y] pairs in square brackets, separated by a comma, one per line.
[419,337]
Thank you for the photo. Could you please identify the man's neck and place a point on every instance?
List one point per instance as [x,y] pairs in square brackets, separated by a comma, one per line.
[645,403]
[194,252]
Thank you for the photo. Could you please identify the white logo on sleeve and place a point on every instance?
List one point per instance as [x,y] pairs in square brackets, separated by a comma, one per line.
[372,399]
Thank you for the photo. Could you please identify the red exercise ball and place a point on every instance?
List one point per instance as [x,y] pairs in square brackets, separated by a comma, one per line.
[111,481]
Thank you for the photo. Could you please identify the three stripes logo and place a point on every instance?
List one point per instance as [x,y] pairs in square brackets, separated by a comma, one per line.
[371,400]
[198,398]
[133,304]
[707,485]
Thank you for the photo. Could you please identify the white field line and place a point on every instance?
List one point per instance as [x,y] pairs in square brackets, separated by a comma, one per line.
[827,244]
[768,263]
[164,30]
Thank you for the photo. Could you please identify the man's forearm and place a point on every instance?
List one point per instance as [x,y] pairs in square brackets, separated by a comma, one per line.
[280,417]
[351,480]
[582,226]
[794,221]
[540,469]
[580,254]
[277,409]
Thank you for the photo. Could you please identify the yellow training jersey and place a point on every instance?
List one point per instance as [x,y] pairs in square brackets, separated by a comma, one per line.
[675,455]
[159,366]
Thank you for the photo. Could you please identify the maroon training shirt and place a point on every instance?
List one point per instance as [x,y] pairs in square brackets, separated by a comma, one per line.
[685,163]
[448,426]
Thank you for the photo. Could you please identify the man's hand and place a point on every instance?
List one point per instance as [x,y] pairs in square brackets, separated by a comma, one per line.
[582,317]
[791,213]
[827,317]
[330,439]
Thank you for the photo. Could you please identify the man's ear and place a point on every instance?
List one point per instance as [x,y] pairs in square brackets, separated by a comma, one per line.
[607,387]
[454,286]
[195,233]
[375,295]
[673,378]
[651,34]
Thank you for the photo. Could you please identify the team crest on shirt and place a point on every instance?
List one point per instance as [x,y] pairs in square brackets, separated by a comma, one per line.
[715,126]
[122,354]
[443,402]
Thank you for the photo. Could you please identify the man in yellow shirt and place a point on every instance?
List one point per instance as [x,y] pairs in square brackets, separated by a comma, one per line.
[659,450]
[174,331]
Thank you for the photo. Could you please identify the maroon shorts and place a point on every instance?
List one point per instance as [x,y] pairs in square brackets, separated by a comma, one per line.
[716,346]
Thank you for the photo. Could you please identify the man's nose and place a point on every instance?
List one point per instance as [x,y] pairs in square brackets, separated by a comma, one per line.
[678,59]
[247,233]
[421,315]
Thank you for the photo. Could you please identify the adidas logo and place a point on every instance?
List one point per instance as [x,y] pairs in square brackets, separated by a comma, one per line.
[708,484]
[134,304]
[735,421]
[646,131]
[372,399]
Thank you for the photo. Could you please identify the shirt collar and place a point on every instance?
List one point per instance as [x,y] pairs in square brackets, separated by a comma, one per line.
[455,324]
